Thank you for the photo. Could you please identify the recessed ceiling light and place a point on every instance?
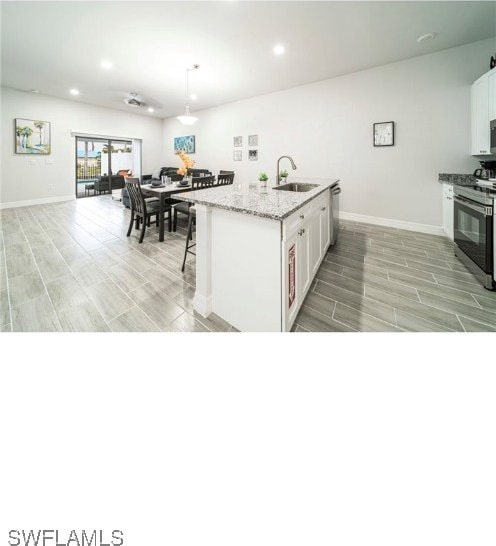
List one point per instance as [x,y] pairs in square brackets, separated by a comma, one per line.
[106,64]
[426,37]
[35,90]
[193,96]
[151,110]
[279,49]
[74,92]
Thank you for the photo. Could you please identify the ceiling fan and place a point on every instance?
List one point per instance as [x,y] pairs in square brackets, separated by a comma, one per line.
[132,100]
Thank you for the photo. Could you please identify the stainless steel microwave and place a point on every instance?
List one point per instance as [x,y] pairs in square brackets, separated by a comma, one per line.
[493,136]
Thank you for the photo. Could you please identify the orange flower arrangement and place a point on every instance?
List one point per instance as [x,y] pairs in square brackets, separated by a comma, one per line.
[188,163]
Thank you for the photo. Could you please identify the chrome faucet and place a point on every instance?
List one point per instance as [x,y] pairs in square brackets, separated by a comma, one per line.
[278,161]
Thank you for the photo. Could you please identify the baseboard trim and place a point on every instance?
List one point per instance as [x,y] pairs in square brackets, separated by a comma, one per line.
[389,222]
[202,304]
[30,202]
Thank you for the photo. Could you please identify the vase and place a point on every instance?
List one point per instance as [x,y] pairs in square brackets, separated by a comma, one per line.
[263,183]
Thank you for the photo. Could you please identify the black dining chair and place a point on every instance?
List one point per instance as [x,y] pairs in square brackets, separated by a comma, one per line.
[225,179]
[141,209]
[198,183]
[174,178]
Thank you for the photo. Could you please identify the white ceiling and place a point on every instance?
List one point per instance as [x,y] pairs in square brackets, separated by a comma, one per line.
[55,46]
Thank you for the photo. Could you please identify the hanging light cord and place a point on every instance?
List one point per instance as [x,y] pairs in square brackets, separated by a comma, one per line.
[188,70]
[187,118]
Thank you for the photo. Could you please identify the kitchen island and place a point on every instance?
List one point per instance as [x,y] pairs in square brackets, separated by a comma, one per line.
[258,249]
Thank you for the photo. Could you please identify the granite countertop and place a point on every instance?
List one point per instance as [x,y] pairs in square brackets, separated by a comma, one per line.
[252,199]
[458,179]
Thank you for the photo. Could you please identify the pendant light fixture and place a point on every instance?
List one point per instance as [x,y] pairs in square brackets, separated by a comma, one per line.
[188,119]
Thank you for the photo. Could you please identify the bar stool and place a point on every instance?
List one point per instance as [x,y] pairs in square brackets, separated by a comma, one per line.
[189,237]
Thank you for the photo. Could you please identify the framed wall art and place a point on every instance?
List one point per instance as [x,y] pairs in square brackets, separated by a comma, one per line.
[238,141]
[185,144]
[252,140]
[238,155]
[32,136]
[384,133]
[252,155]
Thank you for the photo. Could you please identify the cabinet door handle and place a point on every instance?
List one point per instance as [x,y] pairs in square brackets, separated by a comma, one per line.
[303,231]
[323,208]
[302,216]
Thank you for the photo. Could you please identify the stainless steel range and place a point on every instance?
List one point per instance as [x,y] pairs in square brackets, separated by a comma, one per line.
[474,228]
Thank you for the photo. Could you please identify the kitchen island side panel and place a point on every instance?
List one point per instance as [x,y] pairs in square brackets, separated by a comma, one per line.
[246,271]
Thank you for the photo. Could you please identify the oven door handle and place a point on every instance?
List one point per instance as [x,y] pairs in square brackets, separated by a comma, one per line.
[486,211]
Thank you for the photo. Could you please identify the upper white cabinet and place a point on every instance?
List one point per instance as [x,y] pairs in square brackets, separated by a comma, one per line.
[492,94]
[483,111]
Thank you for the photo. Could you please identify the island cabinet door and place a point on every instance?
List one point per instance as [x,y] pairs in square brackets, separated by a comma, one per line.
[325,226]
[305,269]
[320,232]
[290,280]
[315,243]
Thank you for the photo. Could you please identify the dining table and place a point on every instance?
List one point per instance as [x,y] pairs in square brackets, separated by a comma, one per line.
[163,193]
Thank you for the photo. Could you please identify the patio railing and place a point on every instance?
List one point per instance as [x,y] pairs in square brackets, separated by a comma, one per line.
[87,172]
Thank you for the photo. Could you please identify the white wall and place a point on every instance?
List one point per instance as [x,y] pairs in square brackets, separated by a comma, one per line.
[327,128]
[50,177]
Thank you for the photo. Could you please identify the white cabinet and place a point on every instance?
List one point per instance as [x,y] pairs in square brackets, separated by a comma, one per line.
[483,98]
[306,237]
[325,227]
[290,278]
[320,233]
[492,94]
[448,210]
[315,242]
[297,269]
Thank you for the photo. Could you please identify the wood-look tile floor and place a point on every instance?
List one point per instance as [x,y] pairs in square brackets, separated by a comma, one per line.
[378,279]
[70,267]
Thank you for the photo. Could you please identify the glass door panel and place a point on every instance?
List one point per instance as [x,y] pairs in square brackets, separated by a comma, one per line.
[99,162]
[89,165]
[121,157]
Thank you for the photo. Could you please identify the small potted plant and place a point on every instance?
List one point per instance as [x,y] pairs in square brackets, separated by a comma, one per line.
[283,176]
[262,177]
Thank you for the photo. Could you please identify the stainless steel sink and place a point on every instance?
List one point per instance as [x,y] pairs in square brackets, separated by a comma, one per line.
[298,187]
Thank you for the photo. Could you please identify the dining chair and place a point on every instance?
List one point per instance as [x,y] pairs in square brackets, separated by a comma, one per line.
[225,179]
[141,209]
[197,183]
[201,182]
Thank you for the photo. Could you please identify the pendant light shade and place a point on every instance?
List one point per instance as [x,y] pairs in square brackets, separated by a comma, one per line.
[187,118]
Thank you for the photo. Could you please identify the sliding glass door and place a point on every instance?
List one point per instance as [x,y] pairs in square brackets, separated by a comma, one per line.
[89,165]
[101,164]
